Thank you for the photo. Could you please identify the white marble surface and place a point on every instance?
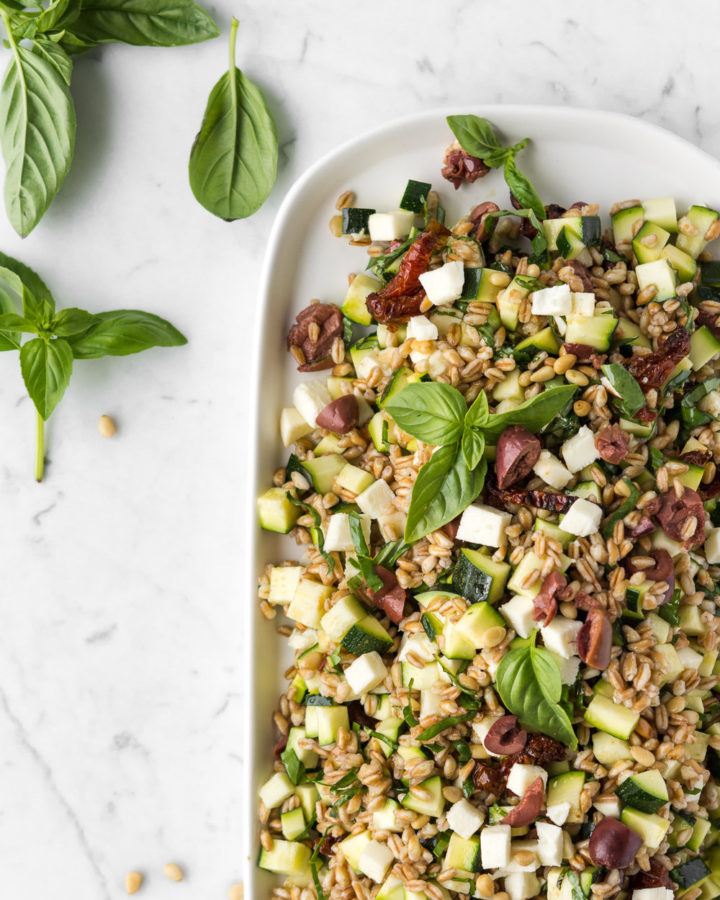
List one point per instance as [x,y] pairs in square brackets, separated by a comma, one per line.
[121,612]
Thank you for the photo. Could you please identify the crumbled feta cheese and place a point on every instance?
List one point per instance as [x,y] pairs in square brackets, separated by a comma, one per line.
[420,328]
[390,226]
[560,636]
[366,672]
[583,304]
[365,365]
[495,846]
[711,403]
[519,612]
[392,524]
[420,645]
[302,640]
[338,535]
[375,860]
[558,813]
[568,667]
[464,818]
[550,844]
[376,500]
[580,450]
[583,518]
[444,285]
[551,470]
[310,398]
[656,893]
[609,806]
[483,525]
[292,426]
[712,546]
[521,885]
[522,776]
[438,364]
[552,301]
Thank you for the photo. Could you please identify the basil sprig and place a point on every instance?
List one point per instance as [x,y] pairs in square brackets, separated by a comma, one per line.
[454,475]
[61,336]
[529,683]
[630,397]
[692,415]
[233,162]
[37,113]
[477,137]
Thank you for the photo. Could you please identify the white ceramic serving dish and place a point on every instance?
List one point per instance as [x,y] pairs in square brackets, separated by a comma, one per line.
[575,154]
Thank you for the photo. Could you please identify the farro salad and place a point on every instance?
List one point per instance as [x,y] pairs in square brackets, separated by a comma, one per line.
[503,480]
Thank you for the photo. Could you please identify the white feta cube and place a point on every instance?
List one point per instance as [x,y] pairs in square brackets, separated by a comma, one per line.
[583,518]
[464,818]
[560,636]
[390,226]
[551,470]
[365,411]
[561,325]
[481,728]
[430,703]
[656,893]
[550,844]
[444,285]
[711,403]
[365,365]
[522,776]
[608,806]
[484,525]
[375,860]
[366,672]
[569,668]
[420,645]
[438,364]
[558,813]
[519,614]
[517,847]
[552,301]
[310,398]
[495,846]
[392,524]
[712,546]
[583,304]
[292,426]
[580,450]
[521,885]
[338,535]
[376,500]
[420,328]
[302,640]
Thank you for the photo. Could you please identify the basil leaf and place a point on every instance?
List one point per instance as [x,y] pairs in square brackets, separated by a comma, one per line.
[293,766]
[391,553]
[364,563]
[233,162]
[434,730]
[443,488]
[58,13]
[479,412]
[9,340]
[55,56]
[37,135]
[37,300]
[13,322]
[430,411]
[522,189]
[124,331]
[72,321]
[358,537]
[148,23]
[631,395]
[475,135]
[534,414]
[473,445]
[529,684]
[46,369]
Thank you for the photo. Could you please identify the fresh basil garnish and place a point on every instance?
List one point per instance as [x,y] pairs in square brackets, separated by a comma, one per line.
[473,446]
[530,686]
[630,395]
[521,188]
[293,766]
[434,730]
[534,414]
[430,411]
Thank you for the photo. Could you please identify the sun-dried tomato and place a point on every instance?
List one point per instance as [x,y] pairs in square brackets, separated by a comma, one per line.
[403,296]
[545,604]
[489,778]
[644,526]
[554,211]
[539,499]
[651,370]
[356,713]
[708,491]
[696,457]
[585,353]
[646,415]
[459,166]
[710,320]
[325,845]
[657,876]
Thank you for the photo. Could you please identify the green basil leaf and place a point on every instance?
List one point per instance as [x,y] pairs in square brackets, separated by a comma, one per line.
[9,340]
[534,414]
[124,331]
[13,322]
[37,135]
[529,684]
[59,13]
[391,553]
[46,369]
[72,321]
[293,766]
[37,301]
[473,445]
[475,135]
[443,488]
[625,384]
[430,411]
[148,23]
[522,189]
[434,730]
[233,162]
[693,397]
[54,54]
[479,412]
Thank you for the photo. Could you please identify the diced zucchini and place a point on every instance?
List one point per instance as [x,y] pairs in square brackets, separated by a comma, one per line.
[509,388]
[308,758]
[700,218]
[509,300]
[330,719]
[544,340]
[347,612]
[276,790]
[615,719]
[588,490]
[463,853]
[627,329]
[477,621]
[690,621]
[415,195]
[608,749]
[329,444]
[554,532]
[690,873]
[662,211]
[595,331]
[697,750]
[660,274]
[700,832]
[422,677]
[293,823]
[645,791]
[308,795]
[651,828]
[682,262]
[478,577]
[625,222]
[378,427]
[434,805]
[355,220]
[354,479]
[703,347]
[392,889]
[569,243]
[384,819]
[308,602]
[283,583]
[649,242]
[276,512]
[352,848]
[323,470]
[286,858]
[400,378]
[365,636]
[399,333]
[354,306]
[457,644]
[527,564]
[567,788]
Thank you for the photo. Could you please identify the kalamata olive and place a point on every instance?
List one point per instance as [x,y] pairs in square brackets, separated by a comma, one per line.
[517,452]
[613,844]
[390,598]
[594,641]
[529,808]
[329,322]
[341,415]
[612,444]
[505,737]
[663,570]
[675,512]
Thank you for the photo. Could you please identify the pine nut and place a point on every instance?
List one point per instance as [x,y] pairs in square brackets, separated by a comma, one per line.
[345,200]
[106,427]
[485,886]
[575,377]
[173,872]
[236,891]
[643,756]
[500,279]
[544,374]
[336,226]
[581,408]
[524,857]
[565,362]
[133,882]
